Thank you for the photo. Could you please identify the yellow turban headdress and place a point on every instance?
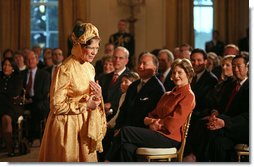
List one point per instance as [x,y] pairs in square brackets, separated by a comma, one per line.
[81,34]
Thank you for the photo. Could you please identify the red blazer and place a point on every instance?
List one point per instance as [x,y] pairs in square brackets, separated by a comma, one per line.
[174,108]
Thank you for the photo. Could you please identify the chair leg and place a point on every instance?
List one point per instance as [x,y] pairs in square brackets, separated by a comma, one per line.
[241,156]
[238,158]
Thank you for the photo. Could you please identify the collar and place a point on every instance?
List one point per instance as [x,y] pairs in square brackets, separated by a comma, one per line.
[120,72]
[33,70]
[144,80]
[22,68]
[56,66]
[179,90]
[242,82]
[166,72]
[200,74]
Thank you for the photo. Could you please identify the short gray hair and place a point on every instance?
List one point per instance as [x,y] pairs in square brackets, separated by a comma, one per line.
[124,50]
[169,53]
[155,59]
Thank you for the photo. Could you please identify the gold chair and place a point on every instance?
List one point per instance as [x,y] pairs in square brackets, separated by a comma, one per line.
[165,154]
[241,150]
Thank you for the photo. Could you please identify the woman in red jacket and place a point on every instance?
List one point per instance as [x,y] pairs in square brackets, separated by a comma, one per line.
[163,123]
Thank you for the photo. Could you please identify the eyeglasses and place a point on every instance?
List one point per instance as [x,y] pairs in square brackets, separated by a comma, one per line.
[92,48]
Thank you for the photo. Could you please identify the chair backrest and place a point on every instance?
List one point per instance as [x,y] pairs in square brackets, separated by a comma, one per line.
[184,136]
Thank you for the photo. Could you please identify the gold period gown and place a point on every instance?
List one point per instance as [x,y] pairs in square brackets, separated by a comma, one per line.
[72,133]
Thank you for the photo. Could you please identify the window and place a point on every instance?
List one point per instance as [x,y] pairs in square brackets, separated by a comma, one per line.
[44,23]
[203,22]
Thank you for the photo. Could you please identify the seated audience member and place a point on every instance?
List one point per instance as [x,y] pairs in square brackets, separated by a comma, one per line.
[213,64]
[142,95]
[217,99]
[47,58]
[246,54]
[185,51]
[108,67]
[163,124]
[230,49]
[8,53]
[25,51]
[228,125]
[20,60]
[165,58]
[176,52]
[202,83]
[127,79]
[231,127]
[215,96]
[226,65]
[38,52]
[10,101]
[108,51]
[212,61]
[111,90]
[57,58]
[37,84]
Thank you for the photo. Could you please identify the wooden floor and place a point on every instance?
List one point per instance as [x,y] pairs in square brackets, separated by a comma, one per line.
[30,157]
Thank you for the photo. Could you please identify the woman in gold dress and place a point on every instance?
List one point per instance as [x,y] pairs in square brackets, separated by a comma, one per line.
[76,123]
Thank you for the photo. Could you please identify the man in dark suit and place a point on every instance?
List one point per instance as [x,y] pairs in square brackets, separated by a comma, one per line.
[111,90]
[229,124]
[57,57]
[232,127]
[141,97]
[125,39]
[215,45]
[36,83]
[38,51]
[202,83]
[111,83]
[166,58]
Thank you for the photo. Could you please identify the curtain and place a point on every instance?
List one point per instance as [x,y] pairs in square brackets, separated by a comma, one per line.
[179,23]
[69,12]
[14,23]
[231,19]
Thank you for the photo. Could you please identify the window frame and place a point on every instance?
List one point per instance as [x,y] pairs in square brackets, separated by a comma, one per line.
[47,32]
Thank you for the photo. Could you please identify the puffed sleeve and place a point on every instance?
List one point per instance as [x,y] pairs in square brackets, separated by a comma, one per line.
[61,102]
